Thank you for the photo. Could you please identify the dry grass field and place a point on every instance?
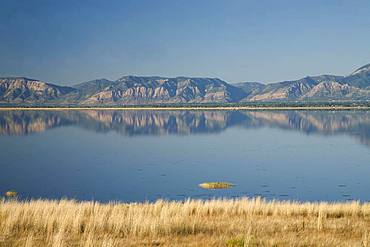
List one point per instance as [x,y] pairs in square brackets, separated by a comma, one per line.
[241,222]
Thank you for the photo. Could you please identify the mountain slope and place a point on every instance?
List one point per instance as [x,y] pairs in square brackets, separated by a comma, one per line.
[335,90]
[135,89]
[20,89]
[288,90]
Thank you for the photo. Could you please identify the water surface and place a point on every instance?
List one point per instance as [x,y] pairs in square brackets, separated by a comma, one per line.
[146,155]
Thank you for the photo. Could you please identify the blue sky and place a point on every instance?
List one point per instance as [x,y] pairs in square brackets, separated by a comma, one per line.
[72,41]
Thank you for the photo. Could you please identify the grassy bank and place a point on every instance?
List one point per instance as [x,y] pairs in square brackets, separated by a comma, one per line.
[242,222]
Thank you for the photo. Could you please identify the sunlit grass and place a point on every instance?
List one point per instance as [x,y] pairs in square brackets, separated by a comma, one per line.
[247,222]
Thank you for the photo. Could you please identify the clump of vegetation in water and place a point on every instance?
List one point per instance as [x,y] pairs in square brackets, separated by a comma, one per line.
[11,194]
[216,185]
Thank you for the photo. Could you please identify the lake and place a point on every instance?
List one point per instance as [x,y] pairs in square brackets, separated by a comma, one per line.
[115,155]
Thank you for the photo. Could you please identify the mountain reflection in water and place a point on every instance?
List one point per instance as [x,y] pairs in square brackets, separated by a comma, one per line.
[134,123]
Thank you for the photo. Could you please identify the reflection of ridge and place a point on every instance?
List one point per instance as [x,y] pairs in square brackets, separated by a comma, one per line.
[133,123]
[155,123]
[318,122]
[125,122]
[24,122]
[307,121]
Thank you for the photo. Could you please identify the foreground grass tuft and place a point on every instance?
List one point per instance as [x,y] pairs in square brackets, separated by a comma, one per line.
[235,242]
[242,222]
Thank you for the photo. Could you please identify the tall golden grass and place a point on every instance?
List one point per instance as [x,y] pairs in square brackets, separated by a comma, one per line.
[241,222]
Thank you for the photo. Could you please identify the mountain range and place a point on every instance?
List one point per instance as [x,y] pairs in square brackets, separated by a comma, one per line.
[130,90]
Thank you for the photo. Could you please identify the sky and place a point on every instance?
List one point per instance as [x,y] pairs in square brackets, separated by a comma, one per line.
[72,41]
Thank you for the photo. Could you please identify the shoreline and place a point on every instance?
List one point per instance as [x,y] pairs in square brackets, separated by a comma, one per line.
[188,108]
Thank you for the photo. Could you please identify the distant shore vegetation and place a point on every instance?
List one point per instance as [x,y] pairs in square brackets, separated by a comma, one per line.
[247,105]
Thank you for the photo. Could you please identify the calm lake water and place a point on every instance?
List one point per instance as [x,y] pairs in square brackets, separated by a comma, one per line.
[146,155]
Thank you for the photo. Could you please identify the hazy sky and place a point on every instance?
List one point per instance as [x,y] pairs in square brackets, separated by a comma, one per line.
[68,41]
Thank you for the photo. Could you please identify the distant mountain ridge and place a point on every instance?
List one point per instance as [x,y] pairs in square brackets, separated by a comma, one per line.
[138,89]
[129,90]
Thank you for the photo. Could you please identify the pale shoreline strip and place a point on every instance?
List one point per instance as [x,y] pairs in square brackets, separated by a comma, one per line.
[160,108]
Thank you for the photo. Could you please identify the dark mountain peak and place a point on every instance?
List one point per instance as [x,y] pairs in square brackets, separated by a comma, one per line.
[360,77]
[250,88]
[254,83]
[363,69]
[93,82]
[139,78]
[100,80]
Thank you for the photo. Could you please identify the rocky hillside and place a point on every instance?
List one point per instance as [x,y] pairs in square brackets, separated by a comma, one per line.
[20,89]
[335,90]
[155,90]
[135,89]
[324,87]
